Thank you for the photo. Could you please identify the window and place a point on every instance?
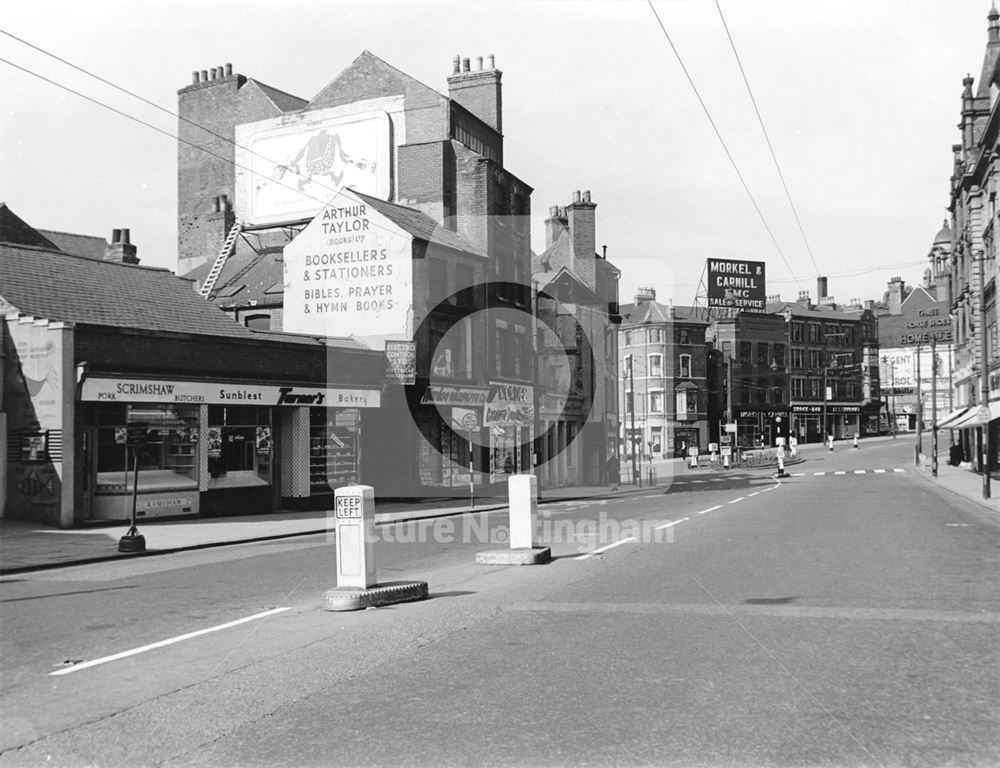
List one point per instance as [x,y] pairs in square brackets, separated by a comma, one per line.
[627,367]
[655,336]
[849,335]
[258,322]
[655,365]
[687,404]
[762,353]
[814,358]
[656,436]
[745,349]
[797,358]
[628,338]
[499,347]
[685,366]
[684,335]
[814,388]
[779,355]
[629,402]
[798,388]
[656,402]
[796,331]
[760,391]
[813,331]
[519,347]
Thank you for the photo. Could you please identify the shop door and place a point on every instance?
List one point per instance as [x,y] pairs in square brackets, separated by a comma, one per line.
[238,446]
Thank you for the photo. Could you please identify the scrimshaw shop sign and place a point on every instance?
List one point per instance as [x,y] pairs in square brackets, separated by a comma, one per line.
[350,273]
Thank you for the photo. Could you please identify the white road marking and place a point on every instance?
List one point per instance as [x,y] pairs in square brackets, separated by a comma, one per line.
[668,525]
[798,474]
[879,471]
[859,471]
[605,548]
[163,643]
[741,498]
[819,473]
[841,472]
[769,488]
[897,469]
[710,509]
[751,495]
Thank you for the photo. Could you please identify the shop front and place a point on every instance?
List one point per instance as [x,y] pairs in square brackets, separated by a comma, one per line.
[813,422]
[186,448]
[510,416]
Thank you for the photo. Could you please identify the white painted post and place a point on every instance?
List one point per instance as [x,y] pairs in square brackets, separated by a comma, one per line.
[522,493]
[354,524]
[855,439]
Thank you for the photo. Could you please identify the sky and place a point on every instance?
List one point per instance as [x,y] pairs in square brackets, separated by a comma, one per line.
[860,100]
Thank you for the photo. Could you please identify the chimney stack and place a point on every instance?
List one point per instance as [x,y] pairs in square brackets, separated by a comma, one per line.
[895,297]
[820,289]
[479,90]
[645,293]
[583,238]
[120,248]
[555,225]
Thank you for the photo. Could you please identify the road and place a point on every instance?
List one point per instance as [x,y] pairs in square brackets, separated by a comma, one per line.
[827,619]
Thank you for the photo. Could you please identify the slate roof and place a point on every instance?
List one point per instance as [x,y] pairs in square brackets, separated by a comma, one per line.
[63,287]
[286,102]
[820,311]
[654,312]
[14,229]
[420,225]
[79,245]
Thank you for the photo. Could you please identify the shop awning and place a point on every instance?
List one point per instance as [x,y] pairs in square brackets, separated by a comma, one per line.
[972,419]
[951,418]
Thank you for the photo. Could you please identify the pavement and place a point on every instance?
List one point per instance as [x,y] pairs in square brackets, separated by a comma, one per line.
[27,546]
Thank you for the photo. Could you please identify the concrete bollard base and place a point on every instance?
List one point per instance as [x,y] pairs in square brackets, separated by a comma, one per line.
[520,556]
[354,599]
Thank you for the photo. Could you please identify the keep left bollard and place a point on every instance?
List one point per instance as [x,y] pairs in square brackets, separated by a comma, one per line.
[357,583]
[522,495]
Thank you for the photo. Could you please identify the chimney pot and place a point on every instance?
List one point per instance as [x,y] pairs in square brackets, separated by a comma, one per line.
[490,62]
[229,70]
[576,196]
[215,73]
[479,63]
[194,76]
[222,71]
[126,237]
[465,64]
[586,195]
[204,75]
[456,64]
[116,236]
[554,212]
[216,206]
[821,287]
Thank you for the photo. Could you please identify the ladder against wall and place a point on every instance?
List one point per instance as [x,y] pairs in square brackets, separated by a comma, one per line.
[227,249]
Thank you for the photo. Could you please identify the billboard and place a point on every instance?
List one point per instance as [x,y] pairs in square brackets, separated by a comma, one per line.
[736,284]
[289,167]
[350,273]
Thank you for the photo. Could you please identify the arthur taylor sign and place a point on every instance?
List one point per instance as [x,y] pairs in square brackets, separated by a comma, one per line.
[736,284]
[350,273]
[111,390]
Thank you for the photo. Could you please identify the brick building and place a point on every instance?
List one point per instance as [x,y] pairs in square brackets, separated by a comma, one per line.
[664,386]
[112,371]
[428,171]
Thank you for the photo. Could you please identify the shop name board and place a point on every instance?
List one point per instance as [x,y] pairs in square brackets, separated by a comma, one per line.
[829,408]
[736,284]
[454,396]
[218,393]
[510,405]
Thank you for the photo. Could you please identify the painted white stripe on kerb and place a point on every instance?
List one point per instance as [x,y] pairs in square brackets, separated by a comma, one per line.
[606,548]
[751,495]
[670,524]
[710,509]
[163,643]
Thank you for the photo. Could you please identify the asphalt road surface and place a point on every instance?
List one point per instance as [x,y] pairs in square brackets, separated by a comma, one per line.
[844,616]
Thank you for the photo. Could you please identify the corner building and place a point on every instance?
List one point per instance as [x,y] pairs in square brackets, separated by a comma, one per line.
[376,163]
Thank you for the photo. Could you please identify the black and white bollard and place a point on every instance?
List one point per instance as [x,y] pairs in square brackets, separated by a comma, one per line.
[522,532]
[781,463]
[830,441]
[855,439]
[357,584]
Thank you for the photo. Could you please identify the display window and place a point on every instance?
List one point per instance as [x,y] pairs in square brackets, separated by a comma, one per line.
[444,456]
[240,449]
[334,438]
[162,439]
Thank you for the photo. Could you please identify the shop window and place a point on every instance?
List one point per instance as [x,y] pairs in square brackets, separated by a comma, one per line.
[656,436]
[687,404]
[239,445]
[333,447]
[164,439]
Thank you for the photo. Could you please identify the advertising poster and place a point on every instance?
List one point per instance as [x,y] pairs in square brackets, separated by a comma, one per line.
[736,284]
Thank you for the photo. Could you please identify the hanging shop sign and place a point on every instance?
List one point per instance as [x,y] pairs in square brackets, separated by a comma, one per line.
[114,390]
[400,362]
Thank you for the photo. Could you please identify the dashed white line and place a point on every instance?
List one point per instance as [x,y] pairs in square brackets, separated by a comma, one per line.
[840,472]
[741,498]
[163,643]
[859,471]
[751,495]
[897,469]
[798,474]
[672,523]
[879,471]
[710,509]
[819,473]
[606,548]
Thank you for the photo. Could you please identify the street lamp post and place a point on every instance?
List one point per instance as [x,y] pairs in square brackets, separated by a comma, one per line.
[984,378]
[934,428]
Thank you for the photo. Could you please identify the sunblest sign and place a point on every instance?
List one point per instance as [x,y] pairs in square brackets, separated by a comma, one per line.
[349,273]
[736,284]
[112,390]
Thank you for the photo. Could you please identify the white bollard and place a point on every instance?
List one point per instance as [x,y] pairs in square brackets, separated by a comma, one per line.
[855,440]
[830,439]
[522,491]
[354,524]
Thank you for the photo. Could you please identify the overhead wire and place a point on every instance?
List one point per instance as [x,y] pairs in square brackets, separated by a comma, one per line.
[722,141]
[767,138]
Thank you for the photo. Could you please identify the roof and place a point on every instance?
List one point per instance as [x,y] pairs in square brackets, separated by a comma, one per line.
[367,77]
[286,102]
[14,230]
[79,245]
[64,287]
[566,286]
[943,237]
[655,312]
[420,225]
[821,311]
[341,342]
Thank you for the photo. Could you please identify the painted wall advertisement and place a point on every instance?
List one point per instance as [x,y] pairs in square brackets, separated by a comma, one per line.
[350,273]
[898,375]
[736,284]
[289,167]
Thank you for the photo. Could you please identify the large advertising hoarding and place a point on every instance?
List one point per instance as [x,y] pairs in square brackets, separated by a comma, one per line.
[350,273]
[289,167]
[899,381]
[736,284]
